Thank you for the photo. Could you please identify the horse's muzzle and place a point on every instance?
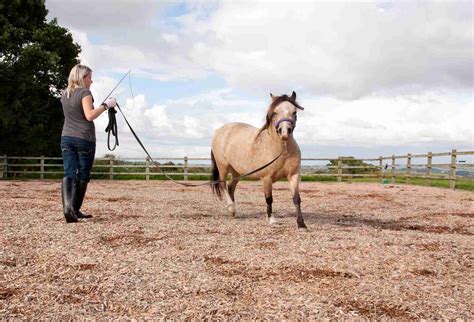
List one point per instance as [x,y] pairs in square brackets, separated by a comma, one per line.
[284,132]
[284,128]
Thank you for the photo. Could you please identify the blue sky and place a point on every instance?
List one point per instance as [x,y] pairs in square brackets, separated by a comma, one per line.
[376,78]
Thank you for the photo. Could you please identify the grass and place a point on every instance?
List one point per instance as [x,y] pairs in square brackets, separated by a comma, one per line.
[461,184]
[440,183]
[319,179]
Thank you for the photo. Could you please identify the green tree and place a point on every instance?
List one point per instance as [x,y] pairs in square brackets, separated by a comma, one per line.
[35,59]
[351,162]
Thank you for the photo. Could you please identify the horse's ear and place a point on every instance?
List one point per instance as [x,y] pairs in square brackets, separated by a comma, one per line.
[293,96]
[273,97]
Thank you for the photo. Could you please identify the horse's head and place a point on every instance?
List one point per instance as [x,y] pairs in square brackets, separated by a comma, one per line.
[282,115]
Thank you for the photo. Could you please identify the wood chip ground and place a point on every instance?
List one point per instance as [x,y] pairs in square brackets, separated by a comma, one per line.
[158,250]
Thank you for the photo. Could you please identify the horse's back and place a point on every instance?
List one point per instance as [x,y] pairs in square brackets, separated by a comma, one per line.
[233,134]
[233,138]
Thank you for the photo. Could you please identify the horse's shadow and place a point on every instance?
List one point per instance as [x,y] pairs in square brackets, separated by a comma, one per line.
[355,221]
[252,215]
[367,220]
[348,221]
[310,218]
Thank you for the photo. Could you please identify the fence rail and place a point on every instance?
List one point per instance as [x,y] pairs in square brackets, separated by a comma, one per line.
[340,168]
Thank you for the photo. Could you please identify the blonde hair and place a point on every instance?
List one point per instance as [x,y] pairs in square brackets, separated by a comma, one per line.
[76,78]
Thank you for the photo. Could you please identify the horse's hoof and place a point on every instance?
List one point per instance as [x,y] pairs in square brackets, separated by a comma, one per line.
[231,210]
[302,225]
[272,220]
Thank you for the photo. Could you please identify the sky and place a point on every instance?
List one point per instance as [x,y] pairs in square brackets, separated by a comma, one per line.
[376,78]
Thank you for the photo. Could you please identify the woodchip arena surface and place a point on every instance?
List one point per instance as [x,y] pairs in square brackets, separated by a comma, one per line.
[158,250]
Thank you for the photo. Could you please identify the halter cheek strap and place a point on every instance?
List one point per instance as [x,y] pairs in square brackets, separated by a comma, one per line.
[286,119]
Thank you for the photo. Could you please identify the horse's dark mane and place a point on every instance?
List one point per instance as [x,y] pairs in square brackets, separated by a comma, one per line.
[271,108]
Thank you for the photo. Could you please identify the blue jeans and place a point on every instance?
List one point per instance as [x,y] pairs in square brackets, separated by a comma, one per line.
[78,157]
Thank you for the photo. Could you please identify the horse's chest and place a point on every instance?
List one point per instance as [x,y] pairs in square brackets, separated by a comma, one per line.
[285,167]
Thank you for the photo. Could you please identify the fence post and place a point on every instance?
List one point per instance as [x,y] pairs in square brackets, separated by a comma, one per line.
[5,166]
[147,169]
[393,169]
[428,168]
[339,169]
[452,172]
[381,168]
[408,168]
[42,167]
[111,168]
[185,168]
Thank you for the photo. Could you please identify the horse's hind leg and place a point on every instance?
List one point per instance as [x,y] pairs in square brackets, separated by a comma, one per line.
[233,184]
[223,171]
[294,181]
[267,189]
[230,192]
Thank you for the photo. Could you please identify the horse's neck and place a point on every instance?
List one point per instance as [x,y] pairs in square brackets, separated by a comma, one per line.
[269,138]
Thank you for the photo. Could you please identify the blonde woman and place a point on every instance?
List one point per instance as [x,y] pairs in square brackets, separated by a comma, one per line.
[78,139]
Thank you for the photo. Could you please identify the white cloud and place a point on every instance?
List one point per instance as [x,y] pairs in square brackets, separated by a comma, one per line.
[372,122]
[370,74]
[185,124]
[344,49]
[380,121]
[106,15]
[171,38]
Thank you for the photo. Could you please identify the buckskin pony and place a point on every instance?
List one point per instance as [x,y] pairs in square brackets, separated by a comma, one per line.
[238,148]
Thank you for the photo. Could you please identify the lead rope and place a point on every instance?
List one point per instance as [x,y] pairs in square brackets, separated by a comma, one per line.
[112,126]
[112,129]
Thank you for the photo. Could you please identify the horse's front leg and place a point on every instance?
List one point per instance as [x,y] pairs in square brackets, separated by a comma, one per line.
[294,181]
[267,189]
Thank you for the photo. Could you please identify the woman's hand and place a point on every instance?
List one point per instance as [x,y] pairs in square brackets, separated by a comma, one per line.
[90,113]
[110,102]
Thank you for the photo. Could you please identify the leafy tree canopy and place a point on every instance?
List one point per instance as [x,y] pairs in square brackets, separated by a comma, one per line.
[35,59]
[351,162]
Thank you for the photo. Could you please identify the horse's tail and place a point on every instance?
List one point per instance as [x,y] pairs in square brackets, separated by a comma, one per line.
[215,185]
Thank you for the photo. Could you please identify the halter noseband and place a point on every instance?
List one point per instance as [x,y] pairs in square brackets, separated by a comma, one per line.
[285,119]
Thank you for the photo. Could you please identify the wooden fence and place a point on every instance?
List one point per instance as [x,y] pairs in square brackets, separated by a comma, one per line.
[186,168]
